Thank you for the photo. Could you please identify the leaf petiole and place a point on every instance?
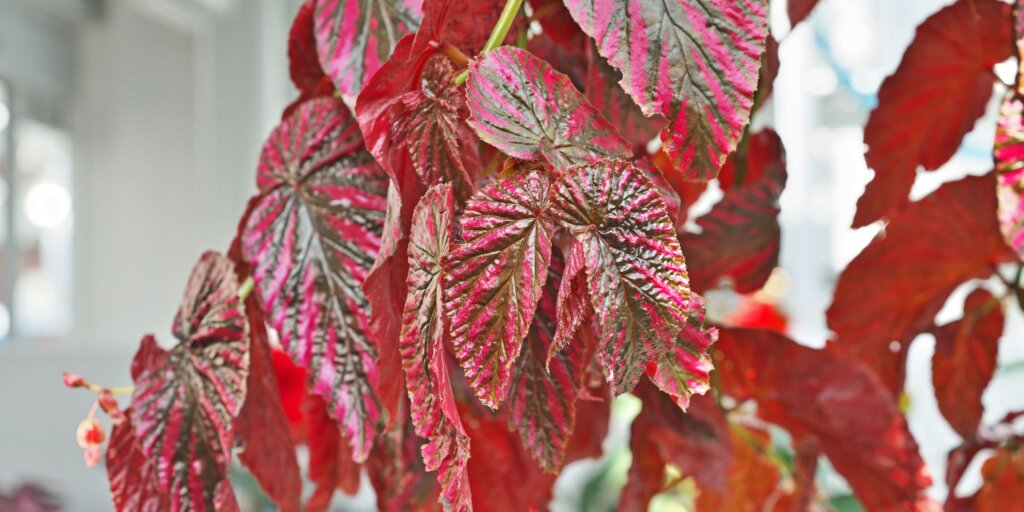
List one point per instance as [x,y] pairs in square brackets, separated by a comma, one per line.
[501,28]
[246,288]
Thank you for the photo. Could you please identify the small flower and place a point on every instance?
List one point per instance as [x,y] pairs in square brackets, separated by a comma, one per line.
[93,454]
[90,433]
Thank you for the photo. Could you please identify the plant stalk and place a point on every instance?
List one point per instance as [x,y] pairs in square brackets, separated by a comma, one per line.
[501,28]
[246,289]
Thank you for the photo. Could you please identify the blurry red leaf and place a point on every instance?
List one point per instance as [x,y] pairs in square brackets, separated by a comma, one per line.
[133,482]
[494,280]
[755,313]
[330,463]
[424,332]
[798,10]
[603,90]
[557,25]
[186,399]
[696,442]
[464,24]
[694,62]
[291,386]
[311,239]
[739,238]
[769,71]
[893,289]
[965,360]
[526,109]
[635,270]
[355,37]
[1003,485]
[838,401]
[593,415]
[262,428]
[395,468]
[932,100]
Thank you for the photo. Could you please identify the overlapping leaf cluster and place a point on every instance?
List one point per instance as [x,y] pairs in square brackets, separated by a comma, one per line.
[466,250]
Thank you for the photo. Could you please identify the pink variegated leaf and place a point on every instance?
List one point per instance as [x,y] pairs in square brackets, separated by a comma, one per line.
[494,280]
[542,398]
[1009,150]
[431,402]
[312,236]
[573,301]
[526,109]
[186,399]
[355,37]
[694,61]
[132,475]
[636,275]
[685,370]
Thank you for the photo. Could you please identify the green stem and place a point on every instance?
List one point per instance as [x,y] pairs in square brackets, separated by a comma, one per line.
[246,288]
[124,390]
[501,28]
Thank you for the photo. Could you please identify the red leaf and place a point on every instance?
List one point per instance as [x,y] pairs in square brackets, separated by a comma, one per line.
[291,382]
[396,470]
[311,238]
[819,394]
[756,480]
[1004,479]
[303,62]
[685,370]
[695,62]
[411,114]
[965,360]
[932,100]
[696,442]
[355,37]
[602,89]
[542,398]
[769,72]
[892,290]
[798,10]
[330,463]
[494,280]
[739,238]
[558,25]
[132,475]
[262,427]
[503,94]
[464,24]
[593,415]
[635,269]
[186,399]
[573,303]
[432,405]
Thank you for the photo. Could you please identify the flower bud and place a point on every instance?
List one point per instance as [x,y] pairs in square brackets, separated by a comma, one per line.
[90,433]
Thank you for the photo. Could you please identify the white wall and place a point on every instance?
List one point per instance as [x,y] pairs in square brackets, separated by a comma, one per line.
[167,119]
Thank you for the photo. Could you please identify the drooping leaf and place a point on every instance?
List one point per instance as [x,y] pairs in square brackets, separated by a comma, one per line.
[494,280]
[635,270]
[396,470]
[820,394]
[311,239]
[893,289]
[411,114]
[303,61]
[1009,150]
[696,442]
[262,429]
[1003,476]
[685,369]
[965,361]
[573,300]
[330,461]
[186,399]
[693,61]
[424,331]
[932,100]
[593,415]
[526,109]
[355,37]
[542,398]
[558,26]
[739,238]
[798,10]
[132,475]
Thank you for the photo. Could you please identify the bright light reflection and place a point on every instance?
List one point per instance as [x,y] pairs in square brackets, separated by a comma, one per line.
[47,205]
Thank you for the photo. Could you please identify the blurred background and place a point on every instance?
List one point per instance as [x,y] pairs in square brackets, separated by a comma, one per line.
[129,134]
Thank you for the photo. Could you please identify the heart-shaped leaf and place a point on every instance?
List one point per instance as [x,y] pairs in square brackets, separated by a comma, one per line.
[635,269]
[186,399]
[355,37]
[431,402]
[311,237]
[526,109]
[132,475]
[494,280]
[694,61]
